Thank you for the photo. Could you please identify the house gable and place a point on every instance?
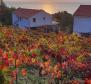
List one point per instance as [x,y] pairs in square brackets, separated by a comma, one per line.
[42,19]
[83,10]
[27,13]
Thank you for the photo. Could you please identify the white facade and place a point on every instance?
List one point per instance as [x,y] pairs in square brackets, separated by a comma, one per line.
[82,24]
[39,19]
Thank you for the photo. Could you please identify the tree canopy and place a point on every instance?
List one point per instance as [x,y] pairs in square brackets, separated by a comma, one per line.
[5,14]
[65,20]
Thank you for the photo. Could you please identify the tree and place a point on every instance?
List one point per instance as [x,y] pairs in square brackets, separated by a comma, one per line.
[65,20]
[2,6]
[2,79]
[7,18]
[5,14]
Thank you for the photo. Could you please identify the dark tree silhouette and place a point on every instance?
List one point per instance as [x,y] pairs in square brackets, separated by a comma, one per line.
[65,19]
[2,79]
[5,14]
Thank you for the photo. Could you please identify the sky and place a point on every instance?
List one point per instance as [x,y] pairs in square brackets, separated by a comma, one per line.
[50,6]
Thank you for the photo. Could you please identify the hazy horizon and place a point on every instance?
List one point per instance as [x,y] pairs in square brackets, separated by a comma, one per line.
[50,6]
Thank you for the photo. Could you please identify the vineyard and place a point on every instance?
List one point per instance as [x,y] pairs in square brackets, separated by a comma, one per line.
[33,57]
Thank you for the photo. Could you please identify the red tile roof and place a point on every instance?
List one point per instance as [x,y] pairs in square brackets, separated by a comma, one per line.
[26,13]
[83,10]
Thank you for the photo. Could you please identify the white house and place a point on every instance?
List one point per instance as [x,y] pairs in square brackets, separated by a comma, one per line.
[82,19]
[27,18]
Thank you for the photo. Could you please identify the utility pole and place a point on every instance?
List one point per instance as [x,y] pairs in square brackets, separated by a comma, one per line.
[1,3]
[2,10]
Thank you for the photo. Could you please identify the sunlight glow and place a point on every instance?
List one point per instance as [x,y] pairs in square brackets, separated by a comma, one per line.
[48,8]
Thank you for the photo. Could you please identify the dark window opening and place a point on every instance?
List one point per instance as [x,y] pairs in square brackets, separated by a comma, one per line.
[19,18]
[34,19]
[44,18]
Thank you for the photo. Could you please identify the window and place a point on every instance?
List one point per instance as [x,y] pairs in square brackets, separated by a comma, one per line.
[44,18]
[19,18]
[34,19]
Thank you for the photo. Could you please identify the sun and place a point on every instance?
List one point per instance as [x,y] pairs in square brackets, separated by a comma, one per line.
[48,7]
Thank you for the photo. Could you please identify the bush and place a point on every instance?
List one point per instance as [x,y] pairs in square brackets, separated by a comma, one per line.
[2,79]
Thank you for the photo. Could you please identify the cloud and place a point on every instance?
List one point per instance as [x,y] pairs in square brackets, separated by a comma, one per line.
[50,1]
[46,1]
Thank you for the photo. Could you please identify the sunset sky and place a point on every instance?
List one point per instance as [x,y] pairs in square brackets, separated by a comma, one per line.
[50,6]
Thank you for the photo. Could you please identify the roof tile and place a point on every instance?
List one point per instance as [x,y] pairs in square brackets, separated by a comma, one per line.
[83,10]
[26,13]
